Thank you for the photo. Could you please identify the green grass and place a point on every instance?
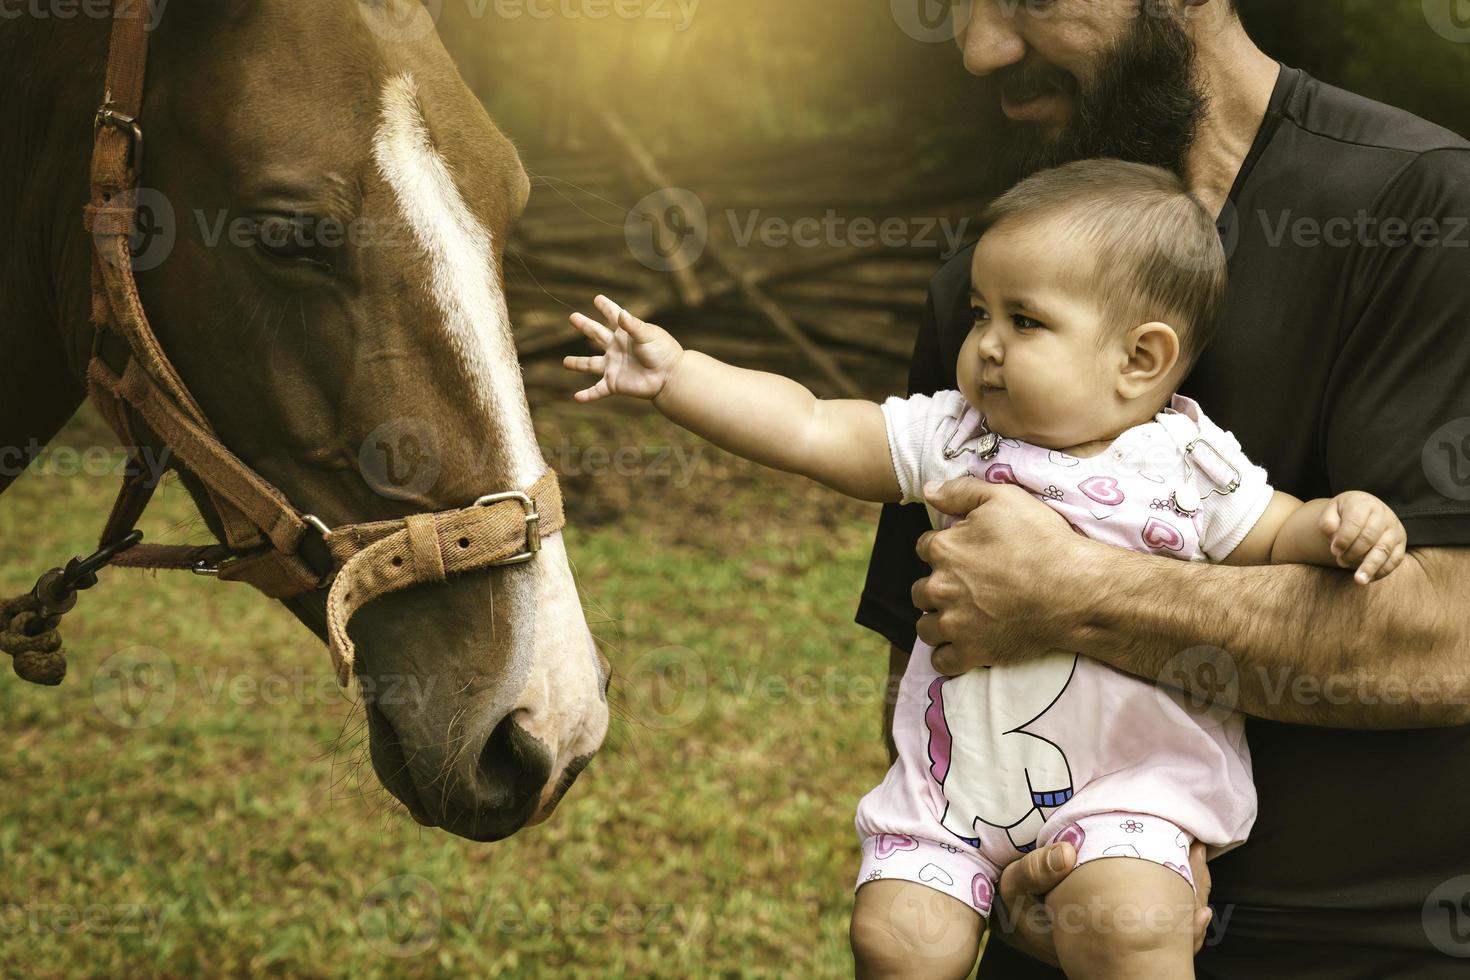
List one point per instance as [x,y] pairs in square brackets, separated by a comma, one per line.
[237,829]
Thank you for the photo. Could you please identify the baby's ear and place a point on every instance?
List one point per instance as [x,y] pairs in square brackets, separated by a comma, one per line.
[1151,352]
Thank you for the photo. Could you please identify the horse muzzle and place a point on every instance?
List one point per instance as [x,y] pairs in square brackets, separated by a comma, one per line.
[487,796]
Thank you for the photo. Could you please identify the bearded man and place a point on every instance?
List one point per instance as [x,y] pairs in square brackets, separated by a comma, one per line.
[1342,362]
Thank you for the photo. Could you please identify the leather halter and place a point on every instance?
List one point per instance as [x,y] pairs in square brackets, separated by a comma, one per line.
[268,542]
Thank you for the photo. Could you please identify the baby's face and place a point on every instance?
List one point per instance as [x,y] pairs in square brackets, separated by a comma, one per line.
[1030,362]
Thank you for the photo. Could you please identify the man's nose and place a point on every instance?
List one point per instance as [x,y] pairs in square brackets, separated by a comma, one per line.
[990,40]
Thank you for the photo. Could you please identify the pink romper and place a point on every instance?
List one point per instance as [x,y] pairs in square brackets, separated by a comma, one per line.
[998,761]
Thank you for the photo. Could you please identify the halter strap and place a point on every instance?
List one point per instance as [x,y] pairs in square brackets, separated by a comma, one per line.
[505,529]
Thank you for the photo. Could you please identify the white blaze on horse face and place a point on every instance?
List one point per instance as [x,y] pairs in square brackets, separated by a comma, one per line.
[463,280]
[556,680]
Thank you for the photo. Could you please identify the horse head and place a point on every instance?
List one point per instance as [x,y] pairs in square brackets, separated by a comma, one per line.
[331,293]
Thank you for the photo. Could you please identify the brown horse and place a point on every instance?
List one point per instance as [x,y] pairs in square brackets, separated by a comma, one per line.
[334,204]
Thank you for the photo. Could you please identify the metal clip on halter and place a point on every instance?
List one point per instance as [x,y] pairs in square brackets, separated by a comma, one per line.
[533,524]
[56,591]
[108,116]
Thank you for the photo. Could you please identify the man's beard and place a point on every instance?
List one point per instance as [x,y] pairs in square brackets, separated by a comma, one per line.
[1144,105]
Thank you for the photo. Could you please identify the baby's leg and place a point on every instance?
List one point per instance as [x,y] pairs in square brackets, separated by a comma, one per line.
[921,892]
[1119,918]
[905,929]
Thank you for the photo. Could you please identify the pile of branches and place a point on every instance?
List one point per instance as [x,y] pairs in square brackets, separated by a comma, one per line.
[813,259]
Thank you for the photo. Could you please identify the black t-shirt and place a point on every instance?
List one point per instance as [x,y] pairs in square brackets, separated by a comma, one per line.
[1343,363]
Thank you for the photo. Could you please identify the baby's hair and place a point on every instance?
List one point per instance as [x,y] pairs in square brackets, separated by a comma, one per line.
[1157,252]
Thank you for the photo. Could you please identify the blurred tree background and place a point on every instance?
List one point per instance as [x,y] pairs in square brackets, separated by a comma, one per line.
[1384,49]
[774,109]
[717,72]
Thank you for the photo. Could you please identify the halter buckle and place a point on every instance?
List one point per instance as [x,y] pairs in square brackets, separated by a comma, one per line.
[108,116]
[533,524]
[319,525]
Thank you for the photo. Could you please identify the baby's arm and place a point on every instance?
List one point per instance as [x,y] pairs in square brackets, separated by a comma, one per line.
[763,417]
[1353,529]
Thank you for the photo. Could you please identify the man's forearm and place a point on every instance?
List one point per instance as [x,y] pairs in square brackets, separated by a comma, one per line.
[1304,644]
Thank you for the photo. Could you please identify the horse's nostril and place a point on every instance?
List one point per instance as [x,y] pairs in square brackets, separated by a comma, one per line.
[516,767]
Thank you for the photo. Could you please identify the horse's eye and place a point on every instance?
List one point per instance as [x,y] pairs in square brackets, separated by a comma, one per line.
[297,240]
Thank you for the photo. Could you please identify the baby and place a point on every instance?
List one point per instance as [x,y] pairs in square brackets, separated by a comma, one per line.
[1094,288]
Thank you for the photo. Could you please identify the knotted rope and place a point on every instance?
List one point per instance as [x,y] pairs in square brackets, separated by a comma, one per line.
[32,640]
[29,624]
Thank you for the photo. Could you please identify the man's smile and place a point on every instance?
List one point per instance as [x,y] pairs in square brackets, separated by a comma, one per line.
[1031,108]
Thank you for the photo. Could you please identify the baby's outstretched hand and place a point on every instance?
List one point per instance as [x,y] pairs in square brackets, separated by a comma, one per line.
[1364,532]
[638,358]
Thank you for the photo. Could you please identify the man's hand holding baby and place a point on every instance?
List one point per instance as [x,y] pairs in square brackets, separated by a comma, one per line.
[1004,586]
[1000,577]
